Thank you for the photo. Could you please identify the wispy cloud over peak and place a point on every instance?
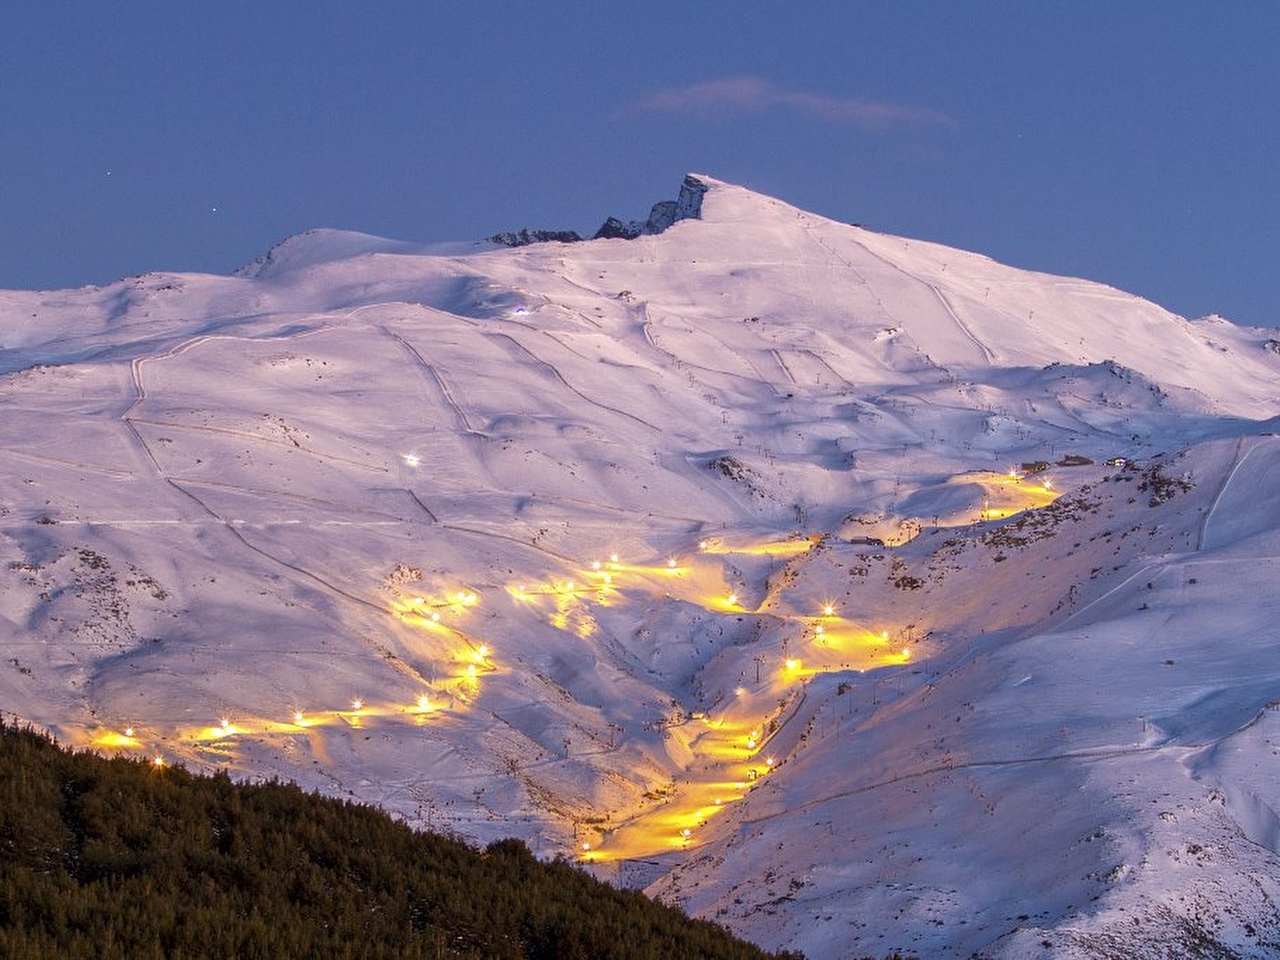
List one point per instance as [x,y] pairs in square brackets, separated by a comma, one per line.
[741,95]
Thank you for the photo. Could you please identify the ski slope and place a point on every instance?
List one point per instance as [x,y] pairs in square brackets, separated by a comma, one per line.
[768,563]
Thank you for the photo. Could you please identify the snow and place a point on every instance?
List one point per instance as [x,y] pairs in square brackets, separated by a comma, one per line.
[1035,713]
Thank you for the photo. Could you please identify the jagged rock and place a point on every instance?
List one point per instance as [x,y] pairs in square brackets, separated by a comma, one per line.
[615,229]
[524,236]
[687,206]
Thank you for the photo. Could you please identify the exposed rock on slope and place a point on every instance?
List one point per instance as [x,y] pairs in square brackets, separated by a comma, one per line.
[686,206]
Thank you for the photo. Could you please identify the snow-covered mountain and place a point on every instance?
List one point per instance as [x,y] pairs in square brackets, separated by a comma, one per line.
[857,592]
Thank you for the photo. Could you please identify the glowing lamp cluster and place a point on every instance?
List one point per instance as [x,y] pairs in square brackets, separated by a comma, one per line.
[471,659]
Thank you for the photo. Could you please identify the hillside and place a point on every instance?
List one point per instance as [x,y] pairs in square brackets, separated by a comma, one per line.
[797,573]
[118,858]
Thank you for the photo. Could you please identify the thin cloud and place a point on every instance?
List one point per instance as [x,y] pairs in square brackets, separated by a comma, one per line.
[742,95]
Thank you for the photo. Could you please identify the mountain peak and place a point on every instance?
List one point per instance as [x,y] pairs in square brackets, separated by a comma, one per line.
[664,213]
[778,566]
[321,245]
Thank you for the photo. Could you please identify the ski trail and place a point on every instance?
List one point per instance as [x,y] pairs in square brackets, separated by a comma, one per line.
[554,371]
[446,393]
[60,462]
[291,445]
[1140,572]
[706,784]
[685,365]
[286,495]
[782,365]
[230,528]
[822,361]
[964,327]
[1237,461]
[425,509]
[1097,753]
[140,395]
[937,293]
[506,536]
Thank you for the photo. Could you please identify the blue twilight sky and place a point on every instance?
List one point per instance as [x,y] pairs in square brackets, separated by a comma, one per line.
[1136,143]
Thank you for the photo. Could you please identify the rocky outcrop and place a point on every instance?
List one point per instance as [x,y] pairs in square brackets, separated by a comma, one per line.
[686,206]
[525,236]
[615,229]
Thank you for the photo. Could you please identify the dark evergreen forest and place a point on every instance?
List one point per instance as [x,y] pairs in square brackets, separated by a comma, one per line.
[111,857]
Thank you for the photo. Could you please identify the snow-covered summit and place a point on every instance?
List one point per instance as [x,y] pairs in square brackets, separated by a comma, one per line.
[320,246]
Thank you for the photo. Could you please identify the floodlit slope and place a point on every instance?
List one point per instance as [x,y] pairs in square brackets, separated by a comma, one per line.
[767,562]
[1096,750]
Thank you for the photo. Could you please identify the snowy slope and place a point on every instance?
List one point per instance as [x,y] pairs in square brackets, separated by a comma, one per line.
[696,556]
